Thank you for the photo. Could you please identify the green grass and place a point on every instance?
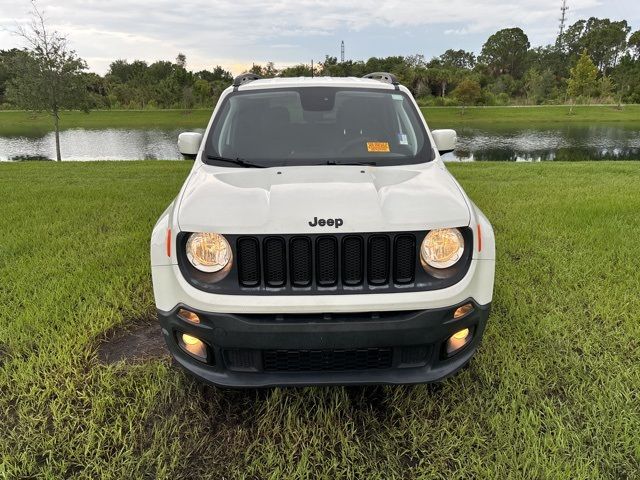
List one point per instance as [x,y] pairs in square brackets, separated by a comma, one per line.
[30,124]
[33,124]
[551,394]
[537,116]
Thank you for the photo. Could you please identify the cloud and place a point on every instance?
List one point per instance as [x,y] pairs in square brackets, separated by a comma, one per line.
[241,31]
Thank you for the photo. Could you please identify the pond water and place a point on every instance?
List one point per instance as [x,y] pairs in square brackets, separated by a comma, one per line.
[486,143]
[542,143]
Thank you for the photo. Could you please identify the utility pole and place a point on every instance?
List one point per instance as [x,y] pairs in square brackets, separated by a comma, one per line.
[312,68]
[563,19]
[342,52]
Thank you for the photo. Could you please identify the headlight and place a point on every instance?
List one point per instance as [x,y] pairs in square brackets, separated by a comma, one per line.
[442,248]
[208,252]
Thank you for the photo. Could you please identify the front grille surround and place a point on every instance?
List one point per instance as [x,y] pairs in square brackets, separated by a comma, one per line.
[325,264]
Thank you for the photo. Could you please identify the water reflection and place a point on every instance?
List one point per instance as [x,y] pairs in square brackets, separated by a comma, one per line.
[488,143]
[564,142]
[85,145]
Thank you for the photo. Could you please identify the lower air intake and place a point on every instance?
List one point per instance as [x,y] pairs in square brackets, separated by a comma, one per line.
[326,360]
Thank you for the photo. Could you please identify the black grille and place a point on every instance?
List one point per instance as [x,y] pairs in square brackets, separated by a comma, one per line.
[405,252]
[378,259]
[326,360]
[327,261]
[349,261]
[352,261]
[275,262]
[300,259]
[249,262]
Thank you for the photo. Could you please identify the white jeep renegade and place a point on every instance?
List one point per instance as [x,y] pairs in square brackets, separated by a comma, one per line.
[319,239]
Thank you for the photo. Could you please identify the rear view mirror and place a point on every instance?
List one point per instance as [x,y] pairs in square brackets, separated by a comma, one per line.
[445,140]
[189,143]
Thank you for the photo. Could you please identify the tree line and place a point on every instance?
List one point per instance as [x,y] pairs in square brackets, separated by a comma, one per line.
[595,60]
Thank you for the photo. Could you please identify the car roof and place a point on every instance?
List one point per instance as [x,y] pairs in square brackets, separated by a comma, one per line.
[345,82]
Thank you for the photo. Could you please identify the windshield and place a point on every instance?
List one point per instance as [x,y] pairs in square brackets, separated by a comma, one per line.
[317,125]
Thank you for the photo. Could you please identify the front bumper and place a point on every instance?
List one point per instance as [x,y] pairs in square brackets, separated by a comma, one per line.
[263,350]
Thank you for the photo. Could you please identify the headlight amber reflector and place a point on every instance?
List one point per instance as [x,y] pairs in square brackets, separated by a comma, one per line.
[208,252]
[442,248]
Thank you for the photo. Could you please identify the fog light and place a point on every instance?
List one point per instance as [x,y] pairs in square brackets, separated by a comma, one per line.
[463,310]
[458,340]
[188,316]
[193,345]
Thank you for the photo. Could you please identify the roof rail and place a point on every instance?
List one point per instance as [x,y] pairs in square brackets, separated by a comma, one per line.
[383,77]
[245,78]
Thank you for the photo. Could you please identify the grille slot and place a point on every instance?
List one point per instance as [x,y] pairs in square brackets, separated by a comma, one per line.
[352,260]
[301,261]
[326,360]
[327,261]
[404,258]
[248,262]
[275,264]
[378,261]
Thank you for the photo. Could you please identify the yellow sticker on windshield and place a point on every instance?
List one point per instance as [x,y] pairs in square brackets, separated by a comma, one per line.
[378,147]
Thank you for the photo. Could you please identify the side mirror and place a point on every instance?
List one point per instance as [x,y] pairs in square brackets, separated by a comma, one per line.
[189,143]
[445,140]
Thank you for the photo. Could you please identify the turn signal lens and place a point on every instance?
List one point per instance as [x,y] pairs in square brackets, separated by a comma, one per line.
[442,248]
[208,252]
[188,316]
[458,340]
[463,310]
[194,346]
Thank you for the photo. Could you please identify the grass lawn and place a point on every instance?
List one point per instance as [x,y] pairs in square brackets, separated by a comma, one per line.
[24,123]
[29,123]
[551,394]
[537,116]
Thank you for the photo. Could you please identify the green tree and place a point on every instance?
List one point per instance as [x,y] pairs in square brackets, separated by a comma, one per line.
[442,77]
[202,92]
[268,71]
[538,84]
[218,74]
[605,88]
[468,92]
[634,45]
[50,77]
[606,41]
[181,60]
[458,59]
[8,58]
[583,81]
[626,77]
[506,52]
[300,70]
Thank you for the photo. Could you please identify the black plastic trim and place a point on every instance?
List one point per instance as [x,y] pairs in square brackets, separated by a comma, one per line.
[423,330]
[231,285]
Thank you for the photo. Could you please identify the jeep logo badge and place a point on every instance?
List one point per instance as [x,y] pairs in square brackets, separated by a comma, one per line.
[329,222]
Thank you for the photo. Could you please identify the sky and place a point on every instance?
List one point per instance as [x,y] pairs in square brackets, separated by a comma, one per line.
[237,33]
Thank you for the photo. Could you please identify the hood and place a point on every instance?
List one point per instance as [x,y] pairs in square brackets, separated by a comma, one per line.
[296,199]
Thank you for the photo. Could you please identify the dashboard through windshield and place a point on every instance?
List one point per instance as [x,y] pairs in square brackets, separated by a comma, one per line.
[316,126]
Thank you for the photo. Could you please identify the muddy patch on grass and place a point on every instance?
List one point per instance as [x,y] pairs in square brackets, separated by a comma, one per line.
[133,344]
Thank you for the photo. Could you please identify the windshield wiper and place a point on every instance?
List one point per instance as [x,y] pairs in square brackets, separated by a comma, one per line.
[369,163]
[237,161]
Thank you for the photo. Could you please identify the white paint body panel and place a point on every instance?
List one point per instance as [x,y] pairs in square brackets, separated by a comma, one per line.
[282,200]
